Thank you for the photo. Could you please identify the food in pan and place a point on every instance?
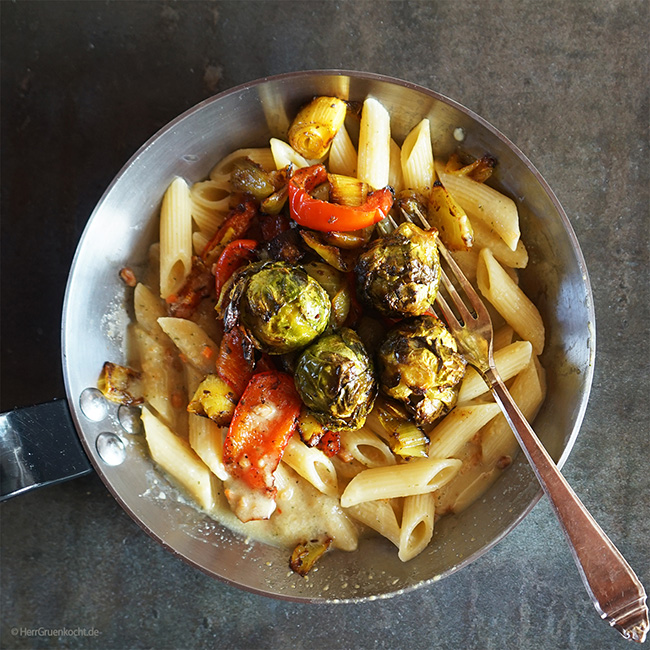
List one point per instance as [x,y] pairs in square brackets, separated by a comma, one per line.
[296,382]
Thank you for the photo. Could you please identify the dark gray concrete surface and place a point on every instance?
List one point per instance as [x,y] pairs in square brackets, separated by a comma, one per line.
[85,83]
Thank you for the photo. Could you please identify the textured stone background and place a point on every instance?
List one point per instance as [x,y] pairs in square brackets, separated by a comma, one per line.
[85,83]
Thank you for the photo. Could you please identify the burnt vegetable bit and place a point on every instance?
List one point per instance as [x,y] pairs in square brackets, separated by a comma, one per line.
[419,365]
[399,274]
[279,306]
[335,380]
[306,554]
[121,384]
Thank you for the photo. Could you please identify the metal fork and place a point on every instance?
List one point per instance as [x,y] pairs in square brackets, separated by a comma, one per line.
[617,593]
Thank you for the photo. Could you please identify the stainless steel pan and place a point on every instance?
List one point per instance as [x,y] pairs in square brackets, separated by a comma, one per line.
[97,310]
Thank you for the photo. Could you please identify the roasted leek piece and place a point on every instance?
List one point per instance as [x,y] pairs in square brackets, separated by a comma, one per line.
[347,190]
[247,176]
[120,384]
[306,554]
[312,131]
[215,399]
[445,214]
[309,428]
[405,438]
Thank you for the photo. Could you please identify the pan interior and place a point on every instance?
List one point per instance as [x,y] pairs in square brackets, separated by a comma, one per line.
[97,312]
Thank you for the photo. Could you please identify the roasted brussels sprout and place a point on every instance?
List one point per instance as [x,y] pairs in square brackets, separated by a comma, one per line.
[419,365]
[399,274]
[335,379]
[279,306]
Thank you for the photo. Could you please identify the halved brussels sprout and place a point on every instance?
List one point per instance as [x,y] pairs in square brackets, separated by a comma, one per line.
[399,274]
[419,365]
[279,306]
[335,379]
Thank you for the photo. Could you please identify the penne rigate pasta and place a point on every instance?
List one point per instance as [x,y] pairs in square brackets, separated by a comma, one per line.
[373,162]
[395,176]
[343,156]
[175,237]
[364,446]
[313,465]
[148,309]
[378,515]
[260,155]
[528,390]
[462,424]
[206,439]
[509,300]
[509,361]
[175,457]
[416,530]
[284,154]
[485,237]
[416,477]
[417,158]
[484,203]
[197,347]
[210,204]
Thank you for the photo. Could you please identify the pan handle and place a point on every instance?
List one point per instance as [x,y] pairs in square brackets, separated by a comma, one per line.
[39,446]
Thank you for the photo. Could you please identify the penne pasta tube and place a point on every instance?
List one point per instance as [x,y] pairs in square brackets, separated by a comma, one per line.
[210,204]
[262,156]
[485,237]
[148,309]
[197,347]
[162,381]
[284,155]
[417,158]
[502,337]
[509,300]
[498,442]
[312,464]
[509,361]
[175,237]
[206,439]
[176,458]
[378,515]
[416,530]
[199,241]
[364,446]
[416,477]
[484,203]
[462,424]
[395,175]
[343,155]
[373,161]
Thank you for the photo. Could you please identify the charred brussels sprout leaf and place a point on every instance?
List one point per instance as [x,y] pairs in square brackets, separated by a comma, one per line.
[419,365]
[399,274]
[335,379]
[279,306]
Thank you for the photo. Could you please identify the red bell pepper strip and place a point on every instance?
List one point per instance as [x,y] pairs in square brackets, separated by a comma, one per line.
[234,255]
[325,216]
[263,423]
[234,364]
[236,224]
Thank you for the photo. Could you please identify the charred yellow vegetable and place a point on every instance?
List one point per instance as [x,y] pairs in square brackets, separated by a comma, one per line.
[309,428]
[315,126]
[347,190]
[480,170]
[445,214]
[306,554]
[405,439]
[247,176]
[215,399]
[120,384]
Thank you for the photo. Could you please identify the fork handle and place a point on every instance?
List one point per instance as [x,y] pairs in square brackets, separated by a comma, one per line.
[617,593]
